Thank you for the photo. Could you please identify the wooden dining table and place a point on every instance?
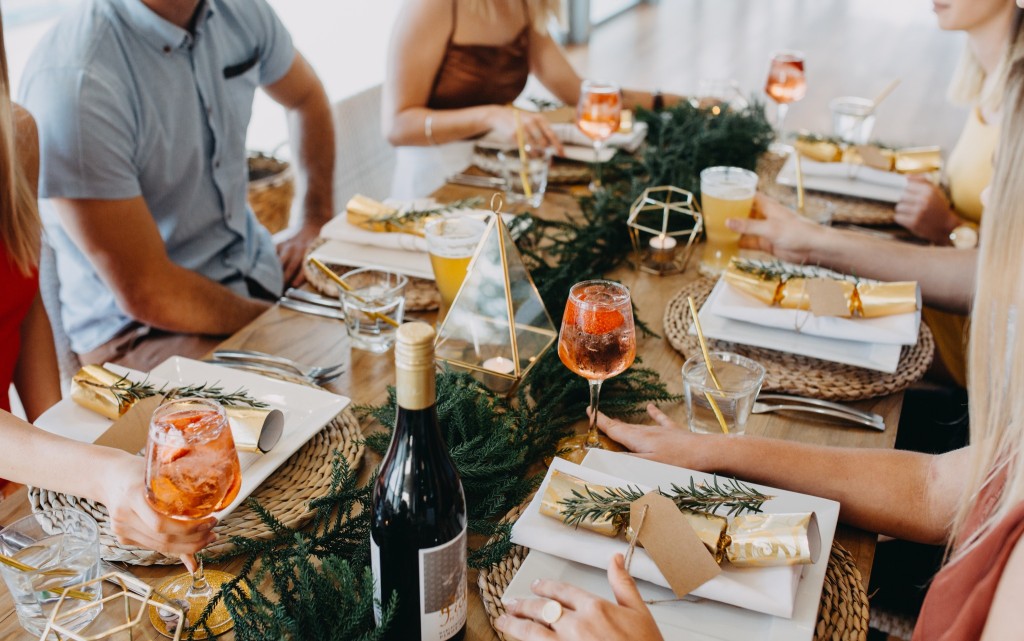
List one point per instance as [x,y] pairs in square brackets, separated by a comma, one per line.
[317,340]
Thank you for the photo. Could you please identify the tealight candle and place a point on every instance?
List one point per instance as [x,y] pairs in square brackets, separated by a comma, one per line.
[662,248]
[498,365]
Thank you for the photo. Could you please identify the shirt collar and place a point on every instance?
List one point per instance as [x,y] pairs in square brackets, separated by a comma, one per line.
[159,33]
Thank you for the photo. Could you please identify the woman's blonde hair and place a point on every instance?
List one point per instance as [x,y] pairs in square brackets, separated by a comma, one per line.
[996,359]
[20,228]
[968,86]
[540,11]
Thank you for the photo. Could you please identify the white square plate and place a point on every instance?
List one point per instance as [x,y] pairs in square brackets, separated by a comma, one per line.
[306,411]
[701,620]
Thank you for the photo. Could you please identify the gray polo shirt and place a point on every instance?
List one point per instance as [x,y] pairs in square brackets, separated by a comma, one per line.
[129,104]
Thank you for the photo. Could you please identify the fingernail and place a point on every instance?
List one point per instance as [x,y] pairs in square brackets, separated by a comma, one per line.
[535,583]
[500,622]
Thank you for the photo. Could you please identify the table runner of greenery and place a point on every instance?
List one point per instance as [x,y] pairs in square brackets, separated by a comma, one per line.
[320,575]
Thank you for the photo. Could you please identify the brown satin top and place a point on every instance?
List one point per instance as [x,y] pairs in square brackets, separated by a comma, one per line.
[472,75]
[959,599]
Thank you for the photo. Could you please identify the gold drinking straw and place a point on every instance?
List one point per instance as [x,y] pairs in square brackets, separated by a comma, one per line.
[23,567]
[799,182]
[885,92]
[342,284]
[520,141]
[707,363]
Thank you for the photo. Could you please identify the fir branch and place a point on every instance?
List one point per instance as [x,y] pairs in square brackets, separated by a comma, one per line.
[774,269]
[614,503]
[412,215]
[128,392]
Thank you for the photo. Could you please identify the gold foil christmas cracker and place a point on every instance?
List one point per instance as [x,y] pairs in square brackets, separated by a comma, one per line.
[765,540]
[868,300]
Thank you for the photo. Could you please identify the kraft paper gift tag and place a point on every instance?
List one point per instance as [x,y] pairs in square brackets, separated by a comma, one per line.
[827,297]
[673,545]
[129,432]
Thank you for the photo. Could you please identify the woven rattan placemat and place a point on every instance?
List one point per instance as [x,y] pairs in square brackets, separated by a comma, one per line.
[286,494]
[842,615]
[849,210]
[794,374]
[420,295]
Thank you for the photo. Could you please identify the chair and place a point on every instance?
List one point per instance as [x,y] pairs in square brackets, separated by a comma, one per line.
[365,160]
[49,290]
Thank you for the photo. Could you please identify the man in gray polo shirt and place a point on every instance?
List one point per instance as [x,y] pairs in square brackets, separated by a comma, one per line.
[142,107]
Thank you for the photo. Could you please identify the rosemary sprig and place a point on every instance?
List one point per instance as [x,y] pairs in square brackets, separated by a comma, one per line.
[614,503]
[127,392]
[412,215]
[778,270]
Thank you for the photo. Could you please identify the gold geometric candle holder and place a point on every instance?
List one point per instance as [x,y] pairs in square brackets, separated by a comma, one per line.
[130,589]
[664,223]
[497,327]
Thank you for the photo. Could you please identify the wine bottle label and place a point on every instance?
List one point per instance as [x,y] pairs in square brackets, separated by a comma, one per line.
[375,568]
[443,589]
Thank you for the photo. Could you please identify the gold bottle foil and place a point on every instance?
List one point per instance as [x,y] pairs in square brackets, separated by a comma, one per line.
[560,487]
[90,388]
[869,300]
[765,540]
[415,378]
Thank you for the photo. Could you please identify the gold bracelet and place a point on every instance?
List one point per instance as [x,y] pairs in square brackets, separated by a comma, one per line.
[428,129]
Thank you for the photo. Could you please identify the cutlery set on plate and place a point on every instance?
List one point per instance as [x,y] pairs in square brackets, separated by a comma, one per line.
[263,363]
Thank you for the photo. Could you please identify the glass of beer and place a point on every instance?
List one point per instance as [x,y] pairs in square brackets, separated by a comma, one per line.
[192,471]
[725,192]
[451,243]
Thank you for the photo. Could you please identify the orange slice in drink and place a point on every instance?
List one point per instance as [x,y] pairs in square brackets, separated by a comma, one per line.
[594,321]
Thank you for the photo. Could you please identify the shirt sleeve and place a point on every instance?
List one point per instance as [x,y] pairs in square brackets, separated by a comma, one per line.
[276,49]
[86,136]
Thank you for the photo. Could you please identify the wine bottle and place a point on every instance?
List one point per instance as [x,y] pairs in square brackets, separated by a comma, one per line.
[418,528]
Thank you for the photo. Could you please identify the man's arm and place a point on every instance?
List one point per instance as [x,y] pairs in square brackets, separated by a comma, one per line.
[946,275]
[122,242]
[303,95]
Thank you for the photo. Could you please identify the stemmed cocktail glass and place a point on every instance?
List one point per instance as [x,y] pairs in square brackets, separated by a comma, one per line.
[598,115]
[786,84]
[597,341]
[192,471]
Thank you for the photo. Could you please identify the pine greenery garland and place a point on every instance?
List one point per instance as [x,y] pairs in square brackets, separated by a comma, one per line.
[321,582]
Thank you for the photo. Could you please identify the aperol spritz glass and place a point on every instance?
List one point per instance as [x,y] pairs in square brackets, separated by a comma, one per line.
[786,84]
[598,115]
[597,341]
[192,471]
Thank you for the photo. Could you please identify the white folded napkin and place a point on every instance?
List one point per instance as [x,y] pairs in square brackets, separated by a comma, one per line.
[570,134]
[898,329]
[845,178]
[768,590]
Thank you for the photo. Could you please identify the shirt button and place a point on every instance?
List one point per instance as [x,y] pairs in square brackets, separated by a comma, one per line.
[167,49]
[209,111]
[216,164]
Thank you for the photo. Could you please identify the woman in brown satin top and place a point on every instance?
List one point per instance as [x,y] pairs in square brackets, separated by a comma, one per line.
[454,68]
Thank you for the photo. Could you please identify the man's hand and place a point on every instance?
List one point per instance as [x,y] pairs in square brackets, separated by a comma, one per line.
[924,209]
[292,245]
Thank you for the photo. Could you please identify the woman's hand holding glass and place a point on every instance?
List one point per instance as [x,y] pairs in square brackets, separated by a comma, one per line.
[537,131]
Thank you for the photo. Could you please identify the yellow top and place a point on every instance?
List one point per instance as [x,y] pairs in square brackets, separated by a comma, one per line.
[968,172]
[969,166]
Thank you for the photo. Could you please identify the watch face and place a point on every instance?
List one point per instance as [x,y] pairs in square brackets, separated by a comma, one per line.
[964,237]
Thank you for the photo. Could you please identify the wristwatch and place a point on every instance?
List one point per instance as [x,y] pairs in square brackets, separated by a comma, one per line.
[964,236]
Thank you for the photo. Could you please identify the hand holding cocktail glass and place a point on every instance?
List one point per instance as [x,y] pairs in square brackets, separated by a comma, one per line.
[192,471]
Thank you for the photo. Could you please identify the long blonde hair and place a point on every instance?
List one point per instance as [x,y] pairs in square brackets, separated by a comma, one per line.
[540,11]
[996,359]
[968,86]
[20,228]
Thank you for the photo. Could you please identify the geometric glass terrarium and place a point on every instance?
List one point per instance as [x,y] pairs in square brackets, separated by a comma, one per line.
[664,223]
[497,326]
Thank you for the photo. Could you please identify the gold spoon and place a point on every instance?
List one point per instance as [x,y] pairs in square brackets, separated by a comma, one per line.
[23,567]
[342,284]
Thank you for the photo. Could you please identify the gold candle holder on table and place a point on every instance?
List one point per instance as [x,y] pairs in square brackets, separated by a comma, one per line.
[130,590]
[497,327]
[664,222]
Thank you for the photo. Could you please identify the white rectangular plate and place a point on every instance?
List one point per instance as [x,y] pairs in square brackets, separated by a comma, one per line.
[702,620]
[876,356]
[410,263]
[845,179]
[306,411]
